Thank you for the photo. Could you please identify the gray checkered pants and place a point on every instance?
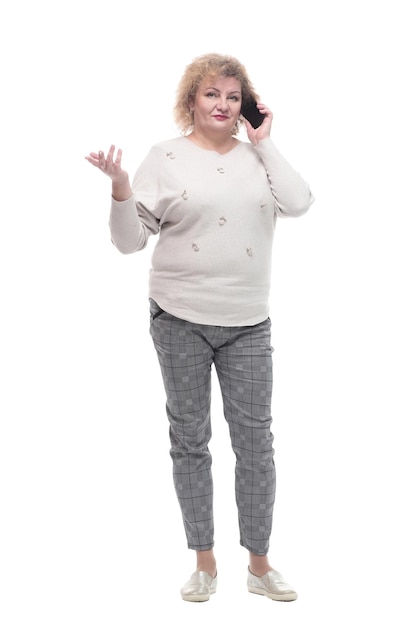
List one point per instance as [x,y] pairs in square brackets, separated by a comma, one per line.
[242,357]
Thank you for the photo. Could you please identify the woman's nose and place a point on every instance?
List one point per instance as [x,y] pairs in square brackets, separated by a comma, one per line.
[222,104]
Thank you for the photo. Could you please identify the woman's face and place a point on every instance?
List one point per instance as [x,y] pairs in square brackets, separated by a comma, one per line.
[217,105]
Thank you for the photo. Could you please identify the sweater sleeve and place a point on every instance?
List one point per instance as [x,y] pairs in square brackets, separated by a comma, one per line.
[291,193]
[132,221]
[128,233]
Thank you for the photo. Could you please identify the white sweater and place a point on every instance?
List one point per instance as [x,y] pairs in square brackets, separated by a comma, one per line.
[215,215]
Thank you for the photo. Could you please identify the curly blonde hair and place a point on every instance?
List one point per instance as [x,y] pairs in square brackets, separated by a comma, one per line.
[202,67]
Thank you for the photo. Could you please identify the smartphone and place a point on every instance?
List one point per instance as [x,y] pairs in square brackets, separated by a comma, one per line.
[251,112]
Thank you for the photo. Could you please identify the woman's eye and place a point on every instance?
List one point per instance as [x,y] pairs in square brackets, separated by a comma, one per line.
[211,94]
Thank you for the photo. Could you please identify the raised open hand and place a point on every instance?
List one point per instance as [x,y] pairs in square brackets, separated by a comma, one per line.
[109,165]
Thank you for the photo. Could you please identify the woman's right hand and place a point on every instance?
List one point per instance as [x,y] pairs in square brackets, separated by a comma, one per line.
[111,166]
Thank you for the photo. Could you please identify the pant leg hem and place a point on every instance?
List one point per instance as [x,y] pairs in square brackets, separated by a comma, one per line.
[208,546]
[253,551]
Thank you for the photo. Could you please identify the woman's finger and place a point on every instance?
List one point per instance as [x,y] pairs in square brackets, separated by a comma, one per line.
[110,154]
[118,157]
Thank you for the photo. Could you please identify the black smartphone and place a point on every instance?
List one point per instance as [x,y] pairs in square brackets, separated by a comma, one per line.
[250,111]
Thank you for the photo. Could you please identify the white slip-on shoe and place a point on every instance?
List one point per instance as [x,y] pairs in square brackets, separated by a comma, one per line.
[199,588]
[272,585]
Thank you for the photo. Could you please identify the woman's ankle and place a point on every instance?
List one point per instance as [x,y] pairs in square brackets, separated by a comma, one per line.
[206,562]
[258,565]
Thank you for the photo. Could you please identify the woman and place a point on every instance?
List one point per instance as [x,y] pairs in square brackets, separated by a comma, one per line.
[214,201]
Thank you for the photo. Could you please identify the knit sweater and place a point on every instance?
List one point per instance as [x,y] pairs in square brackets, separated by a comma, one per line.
[216,216]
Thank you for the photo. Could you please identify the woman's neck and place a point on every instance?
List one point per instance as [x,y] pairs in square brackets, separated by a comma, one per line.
[220,144]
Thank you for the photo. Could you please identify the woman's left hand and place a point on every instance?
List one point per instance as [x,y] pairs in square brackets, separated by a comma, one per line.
[264,130]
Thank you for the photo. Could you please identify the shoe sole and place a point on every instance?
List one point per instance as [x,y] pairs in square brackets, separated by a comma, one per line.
[202,598]
[285,597]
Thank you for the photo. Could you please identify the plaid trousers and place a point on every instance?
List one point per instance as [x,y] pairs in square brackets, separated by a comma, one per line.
[242,357]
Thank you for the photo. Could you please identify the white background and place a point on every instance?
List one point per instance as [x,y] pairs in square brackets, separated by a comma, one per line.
[90,527]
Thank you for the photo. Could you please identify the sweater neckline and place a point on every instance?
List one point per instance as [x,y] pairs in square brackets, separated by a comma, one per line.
[213,151]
